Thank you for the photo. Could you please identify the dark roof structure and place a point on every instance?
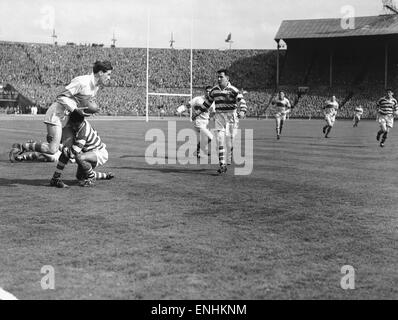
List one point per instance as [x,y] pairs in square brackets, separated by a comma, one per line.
[332,28]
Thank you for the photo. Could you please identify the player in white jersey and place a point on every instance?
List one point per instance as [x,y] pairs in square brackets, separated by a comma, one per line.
[282,107]
[201,122]
[358,112]
[75,97]
[330,110]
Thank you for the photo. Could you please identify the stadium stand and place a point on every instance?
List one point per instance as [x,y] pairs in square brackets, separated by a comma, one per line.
[355,65]
[356,57]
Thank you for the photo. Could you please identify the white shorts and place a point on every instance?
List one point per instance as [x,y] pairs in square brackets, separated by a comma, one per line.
[387,119]
[102,155]
[330,119]
[57,115]
[280,116]
[200,124]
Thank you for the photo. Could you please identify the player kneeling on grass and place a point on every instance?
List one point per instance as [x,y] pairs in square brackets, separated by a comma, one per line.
[201,122]
[330,110]
[387,108]
[88,151]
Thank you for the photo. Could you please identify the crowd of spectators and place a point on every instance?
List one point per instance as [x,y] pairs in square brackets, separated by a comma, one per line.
[39,72]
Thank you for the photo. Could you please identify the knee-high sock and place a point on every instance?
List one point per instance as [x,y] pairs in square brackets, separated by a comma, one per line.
[384,138]
[29,156]
[100,175]
[62,161]
[221,148]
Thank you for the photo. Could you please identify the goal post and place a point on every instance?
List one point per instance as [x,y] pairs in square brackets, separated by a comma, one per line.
[165,94]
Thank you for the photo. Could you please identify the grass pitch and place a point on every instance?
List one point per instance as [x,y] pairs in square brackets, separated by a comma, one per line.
[311,206]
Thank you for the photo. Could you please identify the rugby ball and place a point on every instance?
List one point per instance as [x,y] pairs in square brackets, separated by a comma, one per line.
[90,107]
[181,109]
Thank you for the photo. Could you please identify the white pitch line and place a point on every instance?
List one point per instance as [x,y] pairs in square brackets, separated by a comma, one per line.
[4,295]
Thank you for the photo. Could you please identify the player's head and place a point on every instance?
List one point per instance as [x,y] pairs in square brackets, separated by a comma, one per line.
[281,94]
[223,77]
[76,121]
[208,89]
[102,69]
[389,92]
[333,98]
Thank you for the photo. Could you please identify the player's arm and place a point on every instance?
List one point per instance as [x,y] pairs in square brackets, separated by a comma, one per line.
[67,97]
[288,105]
[242,106]
[395,108]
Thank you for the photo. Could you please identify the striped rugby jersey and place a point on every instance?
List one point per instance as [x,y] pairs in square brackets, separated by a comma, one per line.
[358,110]
[87,139]
[282,105]
[386,105]
[226,100]
[331,107]
[81,89]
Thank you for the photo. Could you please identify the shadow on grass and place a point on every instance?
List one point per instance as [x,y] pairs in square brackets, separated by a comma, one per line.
[38,182]
[132,156]
[167,170]
[338,145]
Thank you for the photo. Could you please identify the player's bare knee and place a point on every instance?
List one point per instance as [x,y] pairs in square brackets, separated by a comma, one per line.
[53,148]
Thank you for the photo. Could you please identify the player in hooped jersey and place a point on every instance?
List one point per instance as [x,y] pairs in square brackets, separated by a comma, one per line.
[330,110]
[282,107]
[387,108]
[358,112]
[201,122]
[88,150]
[226,98]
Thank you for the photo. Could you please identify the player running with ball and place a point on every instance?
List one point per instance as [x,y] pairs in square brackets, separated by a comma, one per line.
[76,97]
[387,107]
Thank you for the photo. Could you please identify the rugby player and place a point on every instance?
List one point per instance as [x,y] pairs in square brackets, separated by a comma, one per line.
[226,98]
[201,122]
[330,110]
[387,107]
[77,95]
[282,108]
[88,151]
[358,112]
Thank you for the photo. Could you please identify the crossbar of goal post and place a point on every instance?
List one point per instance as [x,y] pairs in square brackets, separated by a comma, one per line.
[147,75]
